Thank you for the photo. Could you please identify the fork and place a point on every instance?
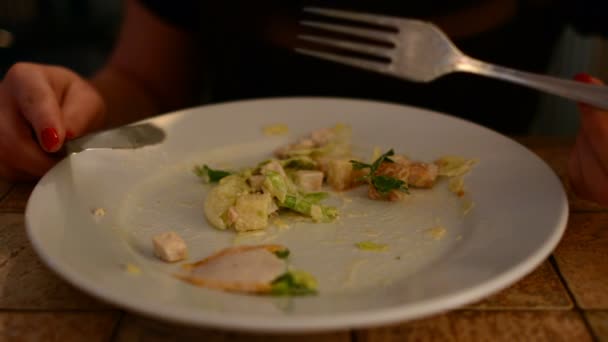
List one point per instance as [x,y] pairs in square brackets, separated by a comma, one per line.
[420,51]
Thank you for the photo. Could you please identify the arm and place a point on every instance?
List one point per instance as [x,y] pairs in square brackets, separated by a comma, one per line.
[588,164]
[149,71]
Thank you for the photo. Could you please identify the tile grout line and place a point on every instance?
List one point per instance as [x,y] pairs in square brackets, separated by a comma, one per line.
[578,310]
[353,333]
[117,326]
[10,189]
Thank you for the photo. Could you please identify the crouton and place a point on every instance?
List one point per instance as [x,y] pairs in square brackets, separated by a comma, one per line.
[340,174]
[252,211]
[308,180]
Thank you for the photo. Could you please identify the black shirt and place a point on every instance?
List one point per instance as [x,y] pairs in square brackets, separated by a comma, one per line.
[245,62]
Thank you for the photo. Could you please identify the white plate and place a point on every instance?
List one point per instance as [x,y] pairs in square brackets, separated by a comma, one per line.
[519,216]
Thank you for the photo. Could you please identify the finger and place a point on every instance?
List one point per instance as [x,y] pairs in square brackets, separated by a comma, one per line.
[38,102]
[594,126]
[83,109]
[594,185]
[17,147]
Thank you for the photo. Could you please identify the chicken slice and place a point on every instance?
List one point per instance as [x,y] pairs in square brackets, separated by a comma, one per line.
[240,269]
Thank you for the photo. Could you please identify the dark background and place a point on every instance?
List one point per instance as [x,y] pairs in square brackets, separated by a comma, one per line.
[79,34]
[73,33]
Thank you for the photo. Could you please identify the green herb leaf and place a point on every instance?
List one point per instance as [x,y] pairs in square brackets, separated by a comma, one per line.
[357,165]
[282,254]
[209,175]
[383,158]
[294,283]
[386,184]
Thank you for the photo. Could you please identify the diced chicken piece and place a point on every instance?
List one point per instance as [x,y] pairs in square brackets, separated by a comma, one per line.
[323,163]
[252,211]
[340,174]
[321,137]
[242,269]
[275,166]
[422,175]
[308,180]
[392,196]
[169,247]
[256,181]
[231,216]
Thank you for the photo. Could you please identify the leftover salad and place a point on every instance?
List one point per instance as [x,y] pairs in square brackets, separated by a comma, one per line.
[293,180]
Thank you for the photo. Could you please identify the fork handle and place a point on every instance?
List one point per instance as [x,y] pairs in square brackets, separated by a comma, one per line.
[586,93]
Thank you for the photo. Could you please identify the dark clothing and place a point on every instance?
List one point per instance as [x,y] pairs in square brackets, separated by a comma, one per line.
[243,63]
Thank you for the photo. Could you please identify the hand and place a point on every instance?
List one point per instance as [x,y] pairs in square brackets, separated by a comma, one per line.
[40,107]
[588,164]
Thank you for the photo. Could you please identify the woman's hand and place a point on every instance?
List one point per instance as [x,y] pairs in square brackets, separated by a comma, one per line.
[588,164]
[40,107]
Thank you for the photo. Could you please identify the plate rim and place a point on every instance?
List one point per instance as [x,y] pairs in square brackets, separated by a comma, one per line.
[316,322]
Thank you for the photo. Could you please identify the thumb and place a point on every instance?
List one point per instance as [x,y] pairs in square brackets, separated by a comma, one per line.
[38,103]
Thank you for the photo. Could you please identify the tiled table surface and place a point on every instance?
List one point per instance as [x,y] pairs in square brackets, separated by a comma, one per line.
[565,299]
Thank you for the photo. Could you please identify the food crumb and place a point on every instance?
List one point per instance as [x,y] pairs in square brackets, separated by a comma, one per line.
[351,274]
[280,224]
[372,246]
[276,129]
[99,212]
[372,233]
[467,206]
[132,269]
[437,233]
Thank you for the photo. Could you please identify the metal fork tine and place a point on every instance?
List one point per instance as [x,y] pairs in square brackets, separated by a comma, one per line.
[373,19]
[355,62]
[381,36]
[373,50]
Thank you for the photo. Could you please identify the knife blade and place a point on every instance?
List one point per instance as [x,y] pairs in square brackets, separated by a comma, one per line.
[125,137]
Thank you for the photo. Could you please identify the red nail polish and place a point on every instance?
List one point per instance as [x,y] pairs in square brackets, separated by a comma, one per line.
[50,138]
[583,77]
[69,135]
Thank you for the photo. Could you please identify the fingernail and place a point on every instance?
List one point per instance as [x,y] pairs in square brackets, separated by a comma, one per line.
[583,77]
[50,138]
[69,135]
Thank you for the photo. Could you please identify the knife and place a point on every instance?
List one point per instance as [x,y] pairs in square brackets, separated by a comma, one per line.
[125,137]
